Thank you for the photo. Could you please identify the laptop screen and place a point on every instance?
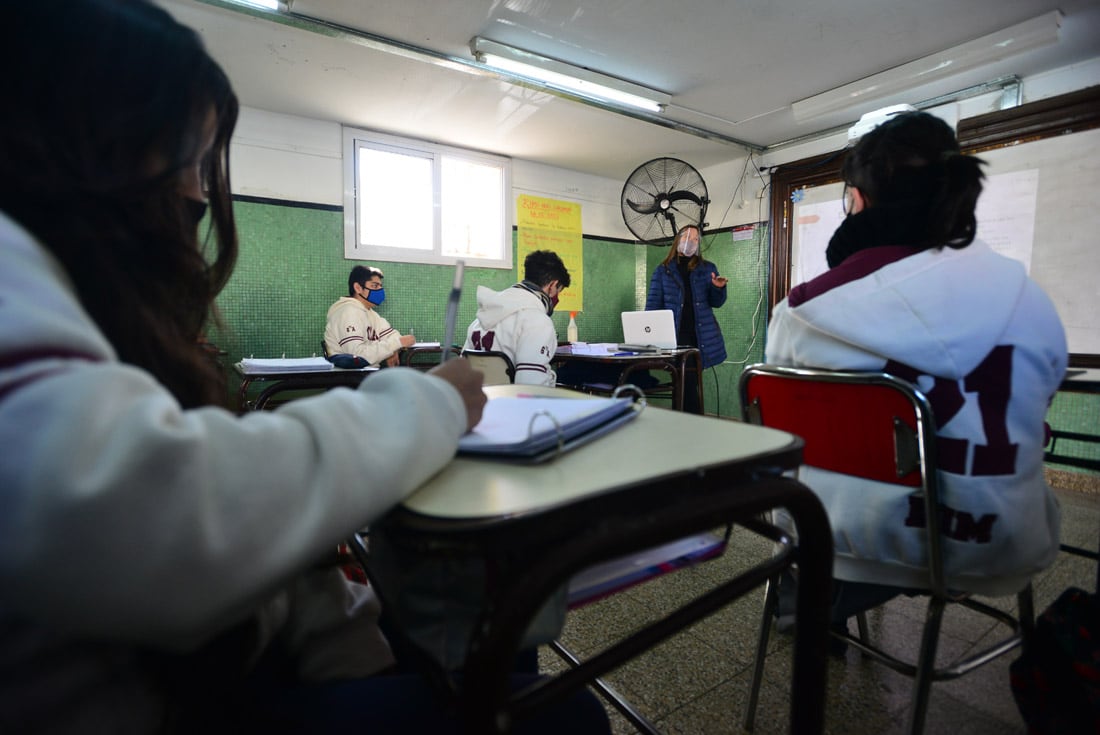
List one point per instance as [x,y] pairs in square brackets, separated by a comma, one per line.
[649,328]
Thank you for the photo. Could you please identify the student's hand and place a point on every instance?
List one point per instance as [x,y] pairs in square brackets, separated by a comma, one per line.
[718,281]
[393,360]
[467,382]
[408,340]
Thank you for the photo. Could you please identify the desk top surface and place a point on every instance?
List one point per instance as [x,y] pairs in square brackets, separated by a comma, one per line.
[566,352]
[658,444]
[1082,380]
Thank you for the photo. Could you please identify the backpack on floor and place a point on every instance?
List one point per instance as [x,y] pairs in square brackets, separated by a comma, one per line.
[1056,681]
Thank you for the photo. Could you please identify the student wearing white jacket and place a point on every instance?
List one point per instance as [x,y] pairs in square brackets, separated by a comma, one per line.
[354,327]
[516,321]
[156,550]
[911,293]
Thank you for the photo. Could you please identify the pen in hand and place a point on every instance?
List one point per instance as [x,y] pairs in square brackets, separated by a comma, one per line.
[452,311]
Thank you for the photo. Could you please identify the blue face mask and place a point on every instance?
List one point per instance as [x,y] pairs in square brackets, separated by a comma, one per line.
[376,297]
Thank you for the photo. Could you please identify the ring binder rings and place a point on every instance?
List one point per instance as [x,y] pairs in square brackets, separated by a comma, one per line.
[639,394]
[554,425]
[557,427]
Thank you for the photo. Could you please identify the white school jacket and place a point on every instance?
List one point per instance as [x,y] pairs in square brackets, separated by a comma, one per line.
[514,321]
[127,522]
[985,344]
[355,329]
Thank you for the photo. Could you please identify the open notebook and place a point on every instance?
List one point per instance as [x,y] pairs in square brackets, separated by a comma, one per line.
[535,429]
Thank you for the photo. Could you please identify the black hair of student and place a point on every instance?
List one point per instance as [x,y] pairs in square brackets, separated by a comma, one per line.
[915,158]
[110,104]
[361,274]
[540,267]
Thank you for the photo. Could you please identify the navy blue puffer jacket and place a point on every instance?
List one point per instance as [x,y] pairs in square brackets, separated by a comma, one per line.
[666,291]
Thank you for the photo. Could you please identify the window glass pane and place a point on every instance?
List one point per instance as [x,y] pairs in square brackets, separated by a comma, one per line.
[395,200]
[473,217]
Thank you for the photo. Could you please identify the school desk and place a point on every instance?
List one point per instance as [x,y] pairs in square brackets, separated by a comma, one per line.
[662,476]
[284,382]
[674,362]
[1078,380]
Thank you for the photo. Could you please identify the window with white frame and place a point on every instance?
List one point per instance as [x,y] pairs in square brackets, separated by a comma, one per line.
[415,202]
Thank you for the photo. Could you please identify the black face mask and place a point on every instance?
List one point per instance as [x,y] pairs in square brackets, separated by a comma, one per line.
[196,210]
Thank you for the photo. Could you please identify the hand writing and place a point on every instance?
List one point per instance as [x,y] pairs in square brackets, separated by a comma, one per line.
[467,382]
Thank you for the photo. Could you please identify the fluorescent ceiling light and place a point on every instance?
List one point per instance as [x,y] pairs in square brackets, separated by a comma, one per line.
[527,66]
[1030,34]
[268,4]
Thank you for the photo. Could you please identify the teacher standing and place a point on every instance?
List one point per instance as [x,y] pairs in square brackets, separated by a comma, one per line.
[691,287]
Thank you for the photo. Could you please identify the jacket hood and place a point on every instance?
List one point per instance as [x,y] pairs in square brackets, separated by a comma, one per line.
[493,306]
[919,310]
[345,302]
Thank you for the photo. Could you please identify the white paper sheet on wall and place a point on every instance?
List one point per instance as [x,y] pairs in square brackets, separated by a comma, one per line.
[1006,213]
[816,218]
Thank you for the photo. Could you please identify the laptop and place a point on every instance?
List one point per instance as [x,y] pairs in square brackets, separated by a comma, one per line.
[649,329]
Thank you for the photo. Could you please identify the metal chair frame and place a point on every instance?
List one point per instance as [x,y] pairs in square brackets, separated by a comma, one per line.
[496,366]
[910,421]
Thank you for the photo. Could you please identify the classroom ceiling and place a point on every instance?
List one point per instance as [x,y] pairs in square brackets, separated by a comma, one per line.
[732,67]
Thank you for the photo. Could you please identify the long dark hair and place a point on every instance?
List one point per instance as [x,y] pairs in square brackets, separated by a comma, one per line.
[107,103]
[915,158]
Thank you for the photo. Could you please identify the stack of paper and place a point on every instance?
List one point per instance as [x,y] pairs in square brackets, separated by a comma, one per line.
[285,365]
[592,348]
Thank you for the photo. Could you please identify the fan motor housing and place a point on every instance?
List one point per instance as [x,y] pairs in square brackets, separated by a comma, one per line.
[662,196]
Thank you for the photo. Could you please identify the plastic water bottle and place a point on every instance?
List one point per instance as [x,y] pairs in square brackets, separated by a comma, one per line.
[571,331]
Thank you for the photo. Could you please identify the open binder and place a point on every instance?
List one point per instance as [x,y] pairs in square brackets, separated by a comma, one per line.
[534,429]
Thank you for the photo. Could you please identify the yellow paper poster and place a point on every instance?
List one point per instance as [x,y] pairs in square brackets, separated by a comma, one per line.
[550,224]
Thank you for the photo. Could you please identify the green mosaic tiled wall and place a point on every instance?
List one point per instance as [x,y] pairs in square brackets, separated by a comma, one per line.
[1076,412]
[292,268]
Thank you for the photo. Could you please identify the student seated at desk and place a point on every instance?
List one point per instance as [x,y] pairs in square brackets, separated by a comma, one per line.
[354,327]
[912,293]
[155,549]
[516,321]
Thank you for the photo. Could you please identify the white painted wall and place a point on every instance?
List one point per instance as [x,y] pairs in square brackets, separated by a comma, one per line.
[300,159]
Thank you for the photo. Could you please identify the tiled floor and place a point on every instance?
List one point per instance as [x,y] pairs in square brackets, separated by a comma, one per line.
[696,683]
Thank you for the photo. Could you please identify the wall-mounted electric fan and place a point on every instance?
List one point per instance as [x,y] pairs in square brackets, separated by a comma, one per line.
[661,196]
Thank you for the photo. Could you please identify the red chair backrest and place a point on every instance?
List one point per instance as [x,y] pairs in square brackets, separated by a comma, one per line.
[848,426]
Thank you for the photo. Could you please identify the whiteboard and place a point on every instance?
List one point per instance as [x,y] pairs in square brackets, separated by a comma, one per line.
[1065,248]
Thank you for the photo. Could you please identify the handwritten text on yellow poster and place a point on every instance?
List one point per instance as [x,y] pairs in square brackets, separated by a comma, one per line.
[550,224]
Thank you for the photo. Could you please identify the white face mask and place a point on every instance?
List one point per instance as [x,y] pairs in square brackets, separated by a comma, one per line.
[689,243]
